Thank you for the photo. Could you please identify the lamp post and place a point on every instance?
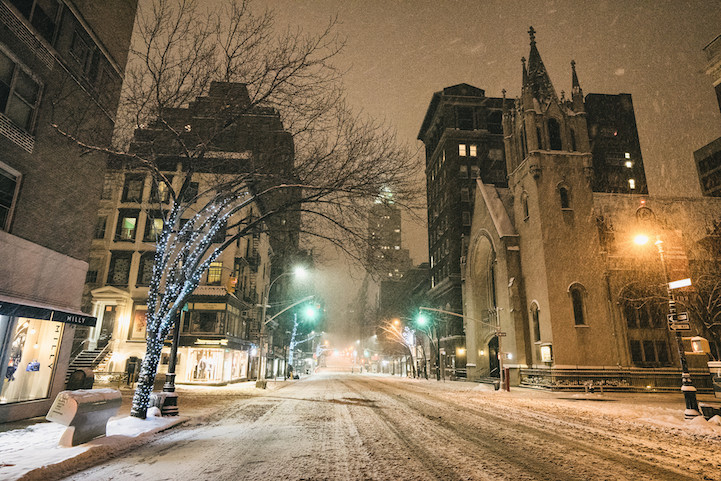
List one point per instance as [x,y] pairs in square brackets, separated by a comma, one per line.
[299,272]
[687,387]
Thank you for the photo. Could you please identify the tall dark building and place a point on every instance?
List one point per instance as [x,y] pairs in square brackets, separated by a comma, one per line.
[60,63]
[463,136]
[708,157]
[617,161]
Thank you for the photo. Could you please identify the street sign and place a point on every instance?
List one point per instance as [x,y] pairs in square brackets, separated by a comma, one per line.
[682,316]
[500,334]
[679,326]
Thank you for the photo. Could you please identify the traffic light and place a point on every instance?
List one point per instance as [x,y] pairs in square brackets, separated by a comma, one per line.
[311,312]
[421,320]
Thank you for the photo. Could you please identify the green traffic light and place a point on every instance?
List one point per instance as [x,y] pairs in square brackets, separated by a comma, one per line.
[421,320]
[310,313]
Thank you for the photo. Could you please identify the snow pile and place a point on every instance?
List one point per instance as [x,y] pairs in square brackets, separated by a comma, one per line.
[33,452]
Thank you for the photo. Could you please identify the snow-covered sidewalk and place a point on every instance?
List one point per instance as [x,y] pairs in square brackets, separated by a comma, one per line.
[32,452]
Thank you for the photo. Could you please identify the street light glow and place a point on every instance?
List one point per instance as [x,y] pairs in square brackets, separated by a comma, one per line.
[300,272]
[641,239]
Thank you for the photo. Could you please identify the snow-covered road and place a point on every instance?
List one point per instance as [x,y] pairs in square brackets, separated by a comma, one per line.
[350,426]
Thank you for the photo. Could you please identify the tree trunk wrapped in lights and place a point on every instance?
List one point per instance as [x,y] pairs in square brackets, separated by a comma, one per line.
[330,169]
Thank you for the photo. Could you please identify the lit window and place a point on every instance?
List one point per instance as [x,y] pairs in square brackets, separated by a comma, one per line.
[629,164]
[473,150]
[127,223]
[631,184]
[627,155]
[397,247]
[214,273]
[153,227]
[462,150]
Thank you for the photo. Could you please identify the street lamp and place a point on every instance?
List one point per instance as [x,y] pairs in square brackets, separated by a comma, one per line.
[687,387]
[300,273]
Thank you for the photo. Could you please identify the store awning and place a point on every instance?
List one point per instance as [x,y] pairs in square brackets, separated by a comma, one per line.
[15,307]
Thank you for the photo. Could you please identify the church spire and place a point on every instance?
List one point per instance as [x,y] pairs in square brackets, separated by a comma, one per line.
[576,92]
[538,79]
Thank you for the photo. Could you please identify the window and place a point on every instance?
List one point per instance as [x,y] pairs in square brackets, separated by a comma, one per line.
[662,353]
[564,198]
[119,271]
[462,150]
[215,273]
[465,196]
[473,150]
[636,355]
[463,171]
[573,140]
[79,49]
[554,134]
[208,322]
[153,226]
[220,234]
[475,172]
[133,188]
[191,192]
[19,93]
[577,303]
[524,205]
[91,277]
[42,17]
[466,218]
[465,118]
[9,186]
[100,226]
[539,138]
[495,122]
[631,184]
[160,192]
[535,319]
[495,154]
[642,311]
[94,266]
[649,353]
[127,225]
[145,270]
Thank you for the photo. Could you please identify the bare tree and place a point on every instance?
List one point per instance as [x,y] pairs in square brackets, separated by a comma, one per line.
[334,166]
[404,337]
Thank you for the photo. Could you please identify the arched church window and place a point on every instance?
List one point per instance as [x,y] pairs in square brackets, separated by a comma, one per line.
[577,294]
[564,197]
[524,205]
[554,134]
[536,323]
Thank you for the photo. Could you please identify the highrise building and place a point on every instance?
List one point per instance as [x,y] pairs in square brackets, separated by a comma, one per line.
[385,254]
[60,63]
[463,136]
[708,157]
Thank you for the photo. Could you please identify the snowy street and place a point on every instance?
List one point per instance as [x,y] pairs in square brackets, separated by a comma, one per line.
[338,425]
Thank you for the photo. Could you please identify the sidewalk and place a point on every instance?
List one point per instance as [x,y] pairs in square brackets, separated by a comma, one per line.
[29,450]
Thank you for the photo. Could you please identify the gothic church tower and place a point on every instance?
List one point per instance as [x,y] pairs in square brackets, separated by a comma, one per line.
[550,172]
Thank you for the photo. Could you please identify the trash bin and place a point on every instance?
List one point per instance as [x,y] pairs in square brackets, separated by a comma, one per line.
[80,379]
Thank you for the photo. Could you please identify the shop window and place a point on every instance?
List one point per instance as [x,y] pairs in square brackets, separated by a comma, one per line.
[577,295]
[145,269]
[100,226]
[153,226]
[119,271]
[19,93]
[127,225]
[215,272]
[535,319]
[133,188]
[140,324]
[9,187]
[31,358]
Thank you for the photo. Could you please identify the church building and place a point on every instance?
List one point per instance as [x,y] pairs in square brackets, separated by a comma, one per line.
[555,288]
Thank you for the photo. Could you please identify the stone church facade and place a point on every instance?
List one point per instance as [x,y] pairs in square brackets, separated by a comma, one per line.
[554,286]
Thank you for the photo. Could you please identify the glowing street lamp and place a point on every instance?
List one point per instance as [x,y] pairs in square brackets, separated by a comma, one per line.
[687,387]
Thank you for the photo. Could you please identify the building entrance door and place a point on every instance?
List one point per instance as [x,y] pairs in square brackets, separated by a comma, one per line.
[493,364]
[108,324]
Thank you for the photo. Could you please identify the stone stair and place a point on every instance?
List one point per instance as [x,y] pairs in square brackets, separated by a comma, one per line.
[95,359]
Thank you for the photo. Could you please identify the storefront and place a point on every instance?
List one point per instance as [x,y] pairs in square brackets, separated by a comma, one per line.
[31,337]
[212,361]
